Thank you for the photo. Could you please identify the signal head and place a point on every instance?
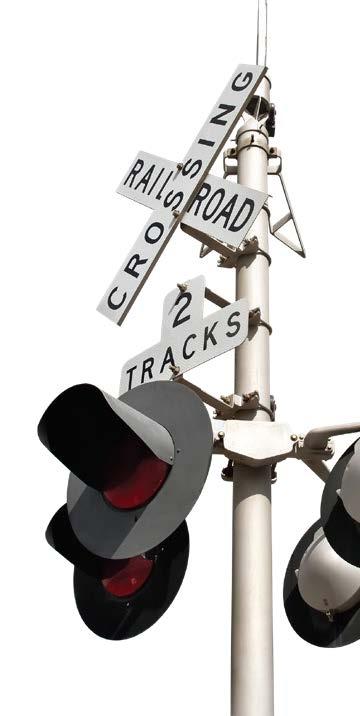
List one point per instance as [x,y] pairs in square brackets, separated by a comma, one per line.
[138,466]
[138,463]
[340,506]
[119,599]
[322,593]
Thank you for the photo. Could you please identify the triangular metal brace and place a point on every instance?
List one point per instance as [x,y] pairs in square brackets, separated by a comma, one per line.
[289,216]
[204,251]
[208,243]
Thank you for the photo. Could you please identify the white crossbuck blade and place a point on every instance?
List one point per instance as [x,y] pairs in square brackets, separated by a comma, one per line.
[187,339]
[221,209]
[182,189]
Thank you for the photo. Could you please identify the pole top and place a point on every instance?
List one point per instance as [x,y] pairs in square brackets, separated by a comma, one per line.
[259,104]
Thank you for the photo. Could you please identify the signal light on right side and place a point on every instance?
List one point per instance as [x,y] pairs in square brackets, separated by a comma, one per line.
[322,593]
[340,506]
[138,465]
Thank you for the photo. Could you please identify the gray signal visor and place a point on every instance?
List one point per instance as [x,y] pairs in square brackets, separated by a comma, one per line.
[83,427]
[123,533]
[154,435]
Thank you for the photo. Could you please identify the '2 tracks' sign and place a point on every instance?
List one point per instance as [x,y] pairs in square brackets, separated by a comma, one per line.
[187,338]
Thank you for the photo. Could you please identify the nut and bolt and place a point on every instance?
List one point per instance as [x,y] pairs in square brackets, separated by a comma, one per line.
[226,399]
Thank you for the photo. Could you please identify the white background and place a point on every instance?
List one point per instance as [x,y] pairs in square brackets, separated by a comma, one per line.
[84,86]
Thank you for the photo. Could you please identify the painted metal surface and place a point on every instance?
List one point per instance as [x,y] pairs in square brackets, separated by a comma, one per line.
[123,533]
[222,209]
[329,630]
[192,171]
[252,676]
[187,339]
[341,530]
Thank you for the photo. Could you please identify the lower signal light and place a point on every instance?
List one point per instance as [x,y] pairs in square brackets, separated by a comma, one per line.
[121,598]
[322,593]
[134,597]
[340,506]
[132,575]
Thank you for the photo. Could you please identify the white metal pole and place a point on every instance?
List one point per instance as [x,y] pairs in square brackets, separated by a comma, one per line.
[252,689]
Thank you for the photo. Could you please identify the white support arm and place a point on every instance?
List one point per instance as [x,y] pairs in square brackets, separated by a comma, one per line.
[317,438]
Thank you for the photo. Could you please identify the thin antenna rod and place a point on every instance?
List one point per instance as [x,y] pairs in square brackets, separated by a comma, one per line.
[258,32]
[265,32]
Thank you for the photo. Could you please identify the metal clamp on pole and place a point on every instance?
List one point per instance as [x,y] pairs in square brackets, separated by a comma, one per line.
[248,247]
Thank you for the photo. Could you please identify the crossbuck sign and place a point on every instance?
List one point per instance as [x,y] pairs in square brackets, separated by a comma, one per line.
[220,208]
[180,191]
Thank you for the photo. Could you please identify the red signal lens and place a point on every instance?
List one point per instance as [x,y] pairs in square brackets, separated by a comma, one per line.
[135,478]
[131,576]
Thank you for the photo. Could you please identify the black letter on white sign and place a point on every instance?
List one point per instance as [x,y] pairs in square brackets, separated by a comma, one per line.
[185,354]
[194,165]
[145,179]
[187,296]
[209,335]
[168,359]
[248,77]
[226,211]
[110,302]
[131,269]
[218,195]
[227,108]
[169,199]
[154,239]
[135,170]
[250,204]
[129,373]
[202,194]
[158,195]
[147,365]
[207,142]
[235,324]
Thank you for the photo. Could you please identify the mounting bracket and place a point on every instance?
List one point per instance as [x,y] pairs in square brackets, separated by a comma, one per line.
[289,216]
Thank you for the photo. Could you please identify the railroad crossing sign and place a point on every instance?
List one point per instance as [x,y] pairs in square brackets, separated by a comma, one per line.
[183,187]
[221,208]
[187,339]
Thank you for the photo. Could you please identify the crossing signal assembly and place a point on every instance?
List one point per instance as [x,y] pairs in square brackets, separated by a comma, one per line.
[137,466]
[138,463]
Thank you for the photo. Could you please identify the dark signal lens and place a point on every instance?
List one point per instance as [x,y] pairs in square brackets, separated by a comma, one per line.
[135,477]
[131,576]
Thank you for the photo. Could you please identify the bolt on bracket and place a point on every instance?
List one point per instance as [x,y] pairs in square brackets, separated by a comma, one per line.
[249,245]
[256,320]
[247,401]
